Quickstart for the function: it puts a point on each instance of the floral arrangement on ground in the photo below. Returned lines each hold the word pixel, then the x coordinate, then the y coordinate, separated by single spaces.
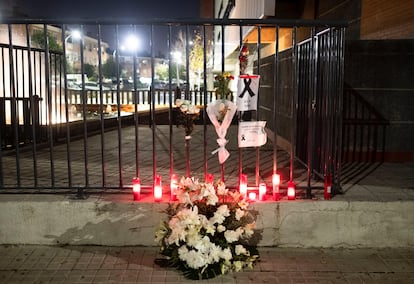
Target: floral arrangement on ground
pixel 209 232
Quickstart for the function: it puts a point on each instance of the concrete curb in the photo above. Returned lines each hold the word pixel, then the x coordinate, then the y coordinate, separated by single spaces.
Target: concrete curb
pixel 115 220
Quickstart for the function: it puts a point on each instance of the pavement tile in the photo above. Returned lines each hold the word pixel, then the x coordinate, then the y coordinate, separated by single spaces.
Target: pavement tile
pixel 277 265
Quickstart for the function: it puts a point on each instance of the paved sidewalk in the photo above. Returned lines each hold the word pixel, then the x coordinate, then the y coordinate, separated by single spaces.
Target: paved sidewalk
pixel 94 264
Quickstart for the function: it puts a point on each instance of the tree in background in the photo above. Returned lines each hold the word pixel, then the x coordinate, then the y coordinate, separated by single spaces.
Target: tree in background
pixel 38 38
pixel 197 58
pixel 90 71
pixel 109 68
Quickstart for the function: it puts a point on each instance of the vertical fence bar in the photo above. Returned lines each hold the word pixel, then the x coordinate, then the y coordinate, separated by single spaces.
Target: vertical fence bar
pixel 329 108
pixel 153 124
pixel 323 97
pixel 13 105
pixel 312 108
pixel 222 71
pixel 259 37
pixel 170 101
pixel 84 112
pixel 2 120
pixel 118 104
pixel 187 97
pixel 205 165
pixel 49 106
pixel 101 110
pixel 275 96
pixel 341 50
pixel 34 111
pixel 136 113
pixel 239 113
pixel 65 84
pixel 294 102
pixel 187 65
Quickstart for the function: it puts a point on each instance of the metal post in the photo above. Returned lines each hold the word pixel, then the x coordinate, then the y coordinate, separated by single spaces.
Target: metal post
pixel 275 91
pixel 118 104
pixel 294 102
pixel 257 174
pixel 49 106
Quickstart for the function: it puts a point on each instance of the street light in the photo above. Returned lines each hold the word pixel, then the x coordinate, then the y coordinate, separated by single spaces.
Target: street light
pixel 131 43
pixel 71 52
pixel 177 57
pixel 75 34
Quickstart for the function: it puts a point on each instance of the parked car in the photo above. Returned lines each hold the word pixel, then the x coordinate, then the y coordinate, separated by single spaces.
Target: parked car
pixel 93 86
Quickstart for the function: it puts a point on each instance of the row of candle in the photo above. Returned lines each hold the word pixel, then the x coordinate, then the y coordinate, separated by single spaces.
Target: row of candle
pixel 291 190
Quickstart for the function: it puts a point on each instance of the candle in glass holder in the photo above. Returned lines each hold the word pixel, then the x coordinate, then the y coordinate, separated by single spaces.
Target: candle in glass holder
pixel 262 191
pixel 243 185
pixel 173 187
pixel 291 191
pixel 136 188
pixel 157 189
pixel 276 186
pixel 209 178
pixel 252 196
pixel 327 187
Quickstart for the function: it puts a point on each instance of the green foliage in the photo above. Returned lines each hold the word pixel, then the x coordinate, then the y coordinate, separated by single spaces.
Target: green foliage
pixel 109 68
pixel 161 71
pixel 38 38
pixel 197 55
pixel 90 71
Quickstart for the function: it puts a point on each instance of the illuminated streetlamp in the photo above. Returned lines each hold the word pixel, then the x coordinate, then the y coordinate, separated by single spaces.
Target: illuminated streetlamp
pixel 75 34
pixel 177 57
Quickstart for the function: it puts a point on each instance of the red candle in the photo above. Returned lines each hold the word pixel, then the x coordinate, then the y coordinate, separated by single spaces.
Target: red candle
pixel 136 188
pixel 262 191
pixel 173 187
pixel 276 186
pixel 209 178
pixel 243 185
pixel 157 189
pixel 327 187
pixel 252 196
pixel 291 191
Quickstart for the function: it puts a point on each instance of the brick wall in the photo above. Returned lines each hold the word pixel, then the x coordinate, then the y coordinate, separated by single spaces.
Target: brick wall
pixel 384 19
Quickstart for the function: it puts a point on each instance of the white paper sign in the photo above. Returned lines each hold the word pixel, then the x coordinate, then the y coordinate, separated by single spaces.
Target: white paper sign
pixel 247 90
pixel 252 134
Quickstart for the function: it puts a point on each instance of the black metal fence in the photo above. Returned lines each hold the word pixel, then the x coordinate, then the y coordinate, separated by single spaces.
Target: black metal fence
pixel 56 138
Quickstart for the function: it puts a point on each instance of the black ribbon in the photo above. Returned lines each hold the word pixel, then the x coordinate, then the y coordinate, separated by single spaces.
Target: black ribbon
pixel 247 83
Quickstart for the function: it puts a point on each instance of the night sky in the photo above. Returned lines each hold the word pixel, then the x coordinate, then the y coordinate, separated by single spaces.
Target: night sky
pixel 106 9
pixel 145 9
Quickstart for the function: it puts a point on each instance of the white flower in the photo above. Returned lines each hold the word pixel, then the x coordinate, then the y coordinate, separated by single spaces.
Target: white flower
pixel 238 265
pixel 239 249
pixel 239 214
pixel 195 259
pixel 249 229
pixel 212 199
pixel 161 233
pixel 178 102
pixel 221 228
pixel 215 253
pixel 226 254
pixel 221 214
pixel 233 236
pixel 221 189
pixel 243 204
pixel 208 225
pixel 178 232
pixel 225 267
pixel 207 191
pixel 223 210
